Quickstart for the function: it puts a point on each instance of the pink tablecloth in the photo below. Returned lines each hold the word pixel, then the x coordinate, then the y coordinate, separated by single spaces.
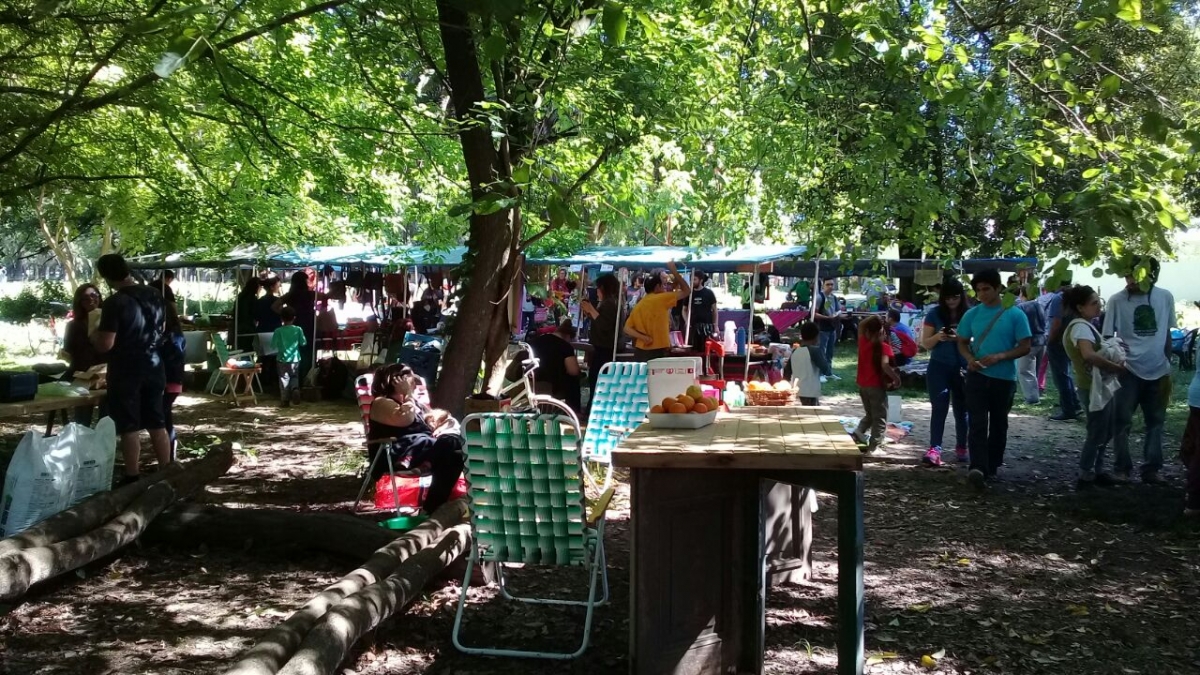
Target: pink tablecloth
pixel 783 319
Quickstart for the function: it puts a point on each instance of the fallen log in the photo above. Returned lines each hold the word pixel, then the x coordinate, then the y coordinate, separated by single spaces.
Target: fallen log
pixel 20 570
pixel 339 534
pixel 85 516
pixel 329 642
pixel 102 507
pixel 269 654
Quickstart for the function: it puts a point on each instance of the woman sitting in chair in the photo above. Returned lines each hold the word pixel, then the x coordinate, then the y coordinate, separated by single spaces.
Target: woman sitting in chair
pixel 420 436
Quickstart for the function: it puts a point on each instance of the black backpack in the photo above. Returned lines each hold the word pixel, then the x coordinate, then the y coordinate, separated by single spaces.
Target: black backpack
pixel 332 376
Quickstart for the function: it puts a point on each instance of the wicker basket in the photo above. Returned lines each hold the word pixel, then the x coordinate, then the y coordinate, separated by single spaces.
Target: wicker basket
pixel 770 397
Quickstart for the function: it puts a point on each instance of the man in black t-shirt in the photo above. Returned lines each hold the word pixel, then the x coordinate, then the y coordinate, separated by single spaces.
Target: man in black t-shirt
pixel 132 330
pixel 558 366
pixel 704 312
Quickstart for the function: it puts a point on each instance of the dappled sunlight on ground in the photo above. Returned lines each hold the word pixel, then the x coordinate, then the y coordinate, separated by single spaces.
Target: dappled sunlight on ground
pixel 1032 577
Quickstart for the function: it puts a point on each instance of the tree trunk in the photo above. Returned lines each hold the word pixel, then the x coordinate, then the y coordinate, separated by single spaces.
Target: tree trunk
pixel 329 643
pixel 489 243
pixel 21 570
pixel 282 641
pixel 186 525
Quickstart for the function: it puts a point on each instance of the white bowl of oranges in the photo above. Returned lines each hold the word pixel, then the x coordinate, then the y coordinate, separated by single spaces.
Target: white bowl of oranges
pixel 689 410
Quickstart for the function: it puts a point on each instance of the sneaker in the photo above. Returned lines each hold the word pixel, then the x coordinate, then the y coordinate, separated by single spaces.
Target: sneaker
pixel 1032 401
pixel 858 438
pixel 961 454
pixel 933 457
pixel 1191 513
pixel 975 480
pixel 835 377
pixel 1085 484
pixel 1152 478
pixel 1120 477
pixel 824 379
pixel 1106 480
pixel 1063 418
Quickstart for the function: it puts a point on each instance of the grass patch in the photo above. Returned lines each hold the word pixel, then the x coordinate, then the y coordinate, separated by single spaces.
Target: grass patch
pixel 344 462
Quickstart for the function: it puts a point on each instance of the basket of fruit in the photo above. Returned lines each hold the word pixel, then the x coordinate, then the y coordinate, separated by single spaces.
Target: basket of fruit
pixel 689 410
pixel 761 393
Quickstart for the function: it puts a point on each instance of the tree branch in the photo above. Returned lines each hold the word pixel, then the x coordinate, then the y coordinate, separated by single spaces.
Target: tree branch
pixel 608 151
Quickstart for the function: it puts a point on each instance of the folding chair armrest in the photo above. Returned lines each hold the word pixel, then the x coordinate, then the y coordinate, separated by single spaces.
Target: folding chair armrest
pixel 598 508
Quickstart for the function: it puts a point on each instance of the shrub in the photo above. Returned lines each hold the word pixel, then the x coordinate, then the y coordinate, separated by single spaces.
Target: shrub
pixel 47 299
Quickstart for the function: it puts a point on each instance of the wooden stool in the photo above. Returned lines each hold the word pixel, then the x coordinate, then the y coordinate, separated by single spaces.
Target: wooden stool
pixel 243 378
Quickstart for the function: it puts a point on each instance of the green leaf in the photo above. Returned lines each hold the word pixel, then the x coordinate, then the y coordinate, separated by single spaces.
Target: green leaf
pixel 520 173
pixel 1155 126
pixel 1166 219
pixel 557 211
pixel 1042 200
pixel 960 53
pixel 614 23
pixel 1033 228
pixel 495 47
pixel 1097 273
pixel 1129 10
pixel 648 25
pixel 842 46
pixel 1088 174
pixel 1110 85
pixel 934 53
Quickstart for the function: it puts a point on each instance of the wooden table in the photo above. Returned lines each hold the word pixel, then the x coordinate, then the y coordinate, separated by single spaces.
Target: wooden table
pixel 701 500
pixel 241 384
pixel 50 405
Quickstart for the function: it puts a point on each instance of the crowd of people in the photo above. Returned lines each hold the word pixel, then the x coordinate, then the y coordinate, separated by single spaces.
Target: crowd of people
pixel 1107 361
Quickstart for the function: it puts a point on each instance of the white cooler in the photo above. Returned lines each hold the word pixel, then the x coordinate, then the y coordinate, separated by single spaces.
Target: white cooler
pixel 672 376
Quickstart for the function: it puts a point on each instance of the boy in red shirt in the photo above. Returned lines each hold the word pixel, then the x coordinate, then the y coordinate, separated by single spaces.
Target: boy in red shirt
pixel 875 377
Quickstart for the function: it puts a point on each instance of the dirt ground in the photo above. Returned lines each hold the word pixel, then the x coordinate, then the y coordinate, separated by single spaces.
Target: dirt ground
pixel 1032 577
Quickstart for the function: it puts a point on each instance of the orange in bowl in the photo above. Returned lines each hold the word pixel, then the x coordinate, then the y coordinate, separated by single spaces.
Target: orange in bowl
pixel 687 401
pixel 657 410
pixel 677 408
pixel 667 403
pixel 700 409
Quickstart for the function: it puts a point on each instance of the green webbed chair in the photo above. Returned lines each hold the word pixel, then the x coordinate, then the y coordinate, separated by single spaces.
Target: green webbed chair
pixel 527 506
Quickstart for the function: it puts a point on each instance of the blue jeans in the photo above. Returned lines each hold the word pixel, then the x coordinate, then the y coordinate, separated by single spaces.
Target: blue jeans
pixel 989 400
pixel 1147 394
pixel 1060 369
pixel 945 385
pixel 1099 433
pixel 828 340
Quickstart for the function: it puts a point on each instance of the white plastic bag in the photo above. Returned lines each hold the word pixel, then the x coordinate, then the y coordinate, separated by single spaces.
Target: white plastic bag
pixel 94 452
pixel 39 482
pixel 895 414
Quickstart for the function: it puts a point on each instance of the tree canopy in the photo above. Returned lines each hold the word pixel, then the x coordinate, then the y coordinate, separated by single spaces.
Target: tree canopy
pixel 949 126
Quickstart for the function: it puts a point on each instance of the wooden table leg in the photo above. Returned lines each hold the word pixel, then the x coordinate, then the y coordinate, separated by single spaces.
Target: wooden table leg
pixel 695 536
pixel 850 574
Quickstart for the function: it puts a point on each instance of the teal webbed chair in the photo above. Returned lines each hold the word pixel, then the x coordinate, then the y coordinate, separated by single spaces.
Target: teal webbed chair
pixel 619 404
pixel 527 506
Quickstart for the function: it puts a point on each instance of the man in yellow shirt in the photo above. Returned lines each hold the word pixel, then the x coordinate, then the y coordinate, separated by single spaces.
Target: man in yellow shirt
pixel 649 323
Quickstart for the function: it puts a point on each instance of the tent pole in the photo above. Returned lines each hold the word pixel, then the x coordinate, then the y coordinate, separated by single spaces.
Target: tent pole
pixel 617 329
pixel 687 319
pixel 750 325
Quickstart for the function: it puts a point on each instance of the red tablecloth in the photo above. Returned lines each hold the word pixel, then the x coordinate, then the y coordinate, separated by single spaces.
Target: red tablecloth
pixel 783 319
